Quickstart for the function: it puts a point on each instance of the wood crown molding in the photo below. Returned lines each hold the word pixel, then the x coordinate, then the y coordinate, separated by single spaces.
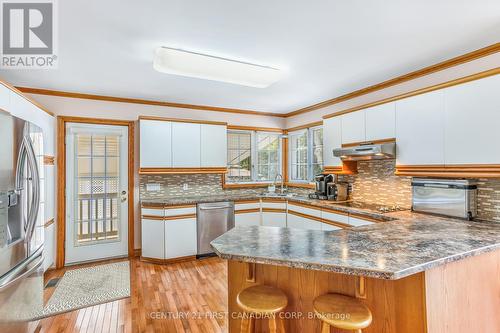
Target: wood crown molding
pixel 168 171
pixel 48 160
pixel 252 128
pixel 480 53
pixel 177 120
pixel 301 127
pixel 67 94
pixel 465 79
pixel 20 93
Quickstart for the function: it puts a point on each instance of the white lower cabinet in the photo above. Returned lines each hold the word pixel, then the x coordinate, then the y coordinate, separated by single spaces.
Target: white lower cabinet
pixel 328 227
pixel 153 239
pixel 300 222
pixel 180 238
pixel 247 219
pixel 273 219
pixel 357 222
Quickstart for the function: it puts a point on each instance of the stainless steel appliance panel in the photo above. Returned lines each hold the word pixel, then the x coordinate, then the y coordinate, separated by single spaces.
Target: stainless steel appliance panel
pixel 456 198
pixel 213 220
pixel 21 217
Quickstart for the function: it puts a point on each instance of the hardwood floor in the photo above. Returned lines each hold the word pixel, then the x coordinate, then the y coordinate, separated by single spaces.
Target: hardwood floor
pixel 180 297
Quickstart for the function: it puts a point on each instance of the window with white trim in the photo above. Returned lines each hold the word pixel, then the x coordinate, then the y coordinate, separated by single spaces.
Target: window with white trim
pixel 253 156
pixel 306 154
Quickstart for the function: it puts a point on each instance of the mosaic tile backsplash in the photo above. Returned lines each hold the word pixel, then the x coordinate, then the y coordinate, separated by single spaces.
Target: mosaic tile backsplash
pixel 198 184
pixel 374 183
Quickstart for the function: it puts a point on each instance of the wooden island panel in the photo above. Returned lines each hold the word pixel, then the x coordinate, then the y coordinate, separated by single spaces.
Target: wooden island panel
pixel 459 297
pixel 387 299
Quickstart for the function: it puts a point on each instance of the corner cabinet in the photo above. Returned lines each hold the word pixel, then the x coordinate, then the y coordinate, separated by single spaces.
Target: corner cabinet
pixel 182 146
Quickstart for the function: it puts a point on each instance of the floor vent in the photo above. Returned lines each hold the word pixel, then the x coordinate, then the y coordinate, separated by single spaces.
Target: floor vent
pixel 52 283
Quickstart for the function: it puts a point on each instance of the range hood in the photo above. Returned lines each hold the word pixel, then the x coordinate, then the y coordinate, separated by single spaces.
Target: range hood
pixel 366 152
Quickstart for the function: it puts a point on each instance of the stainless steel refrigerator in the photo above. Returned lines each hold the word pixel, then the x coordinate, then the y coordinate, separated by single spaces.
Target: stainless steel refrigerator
pixel 21 221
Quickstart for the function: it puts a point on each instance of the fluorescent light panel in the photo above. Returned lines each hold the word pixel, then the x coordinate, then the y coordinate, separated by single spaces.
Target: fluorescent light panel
pixel 202 66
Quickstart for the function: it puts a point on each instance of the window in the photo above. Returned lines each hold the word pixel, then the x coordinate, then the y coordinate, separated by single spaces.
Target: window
pixel 306 154
pixel 253 156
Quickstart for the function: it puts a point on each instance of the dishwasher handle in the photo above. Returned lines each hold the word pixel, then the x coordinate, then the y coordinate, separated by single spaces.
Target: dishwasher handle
pixel 214 207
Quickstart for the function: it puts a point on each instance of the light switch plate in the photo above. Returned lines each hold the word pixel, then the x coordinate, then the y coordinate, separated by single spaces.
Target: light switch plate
pixel 153 187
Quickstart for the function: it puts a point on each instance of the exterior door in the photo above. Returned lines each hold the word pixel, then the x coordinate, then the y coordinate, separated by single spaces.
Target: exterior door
pixel 96 192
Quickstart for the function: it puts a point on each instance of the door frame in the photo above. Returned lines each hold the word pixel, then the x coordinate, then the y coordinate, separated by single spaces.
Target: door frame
pixel 61 180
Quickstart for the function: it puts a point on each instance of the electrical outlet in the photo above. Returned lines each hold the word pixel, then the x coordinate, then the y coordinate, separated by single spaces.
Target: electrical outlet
pixel 152 187
pixel 185 186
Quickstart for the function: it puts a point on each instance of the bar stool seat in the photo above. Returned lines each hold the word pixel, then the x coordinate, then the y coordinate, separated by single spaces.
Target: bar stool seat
pixel 261 300
pixel 341 311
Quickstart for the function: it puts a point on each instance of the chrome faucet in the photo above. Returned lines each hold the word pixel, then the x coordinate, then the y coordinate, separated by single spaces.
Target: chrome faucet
pixel 282 182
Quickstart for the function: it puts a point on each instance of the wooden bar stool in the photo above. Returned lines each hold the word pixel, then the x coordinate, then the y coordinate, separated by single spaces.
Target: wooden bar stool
pixel 261 301
pixel 340 311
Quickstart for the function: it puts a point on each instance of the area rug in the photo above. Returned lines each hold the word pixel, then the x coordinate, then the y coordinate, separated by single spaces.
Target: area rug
pixel 83 287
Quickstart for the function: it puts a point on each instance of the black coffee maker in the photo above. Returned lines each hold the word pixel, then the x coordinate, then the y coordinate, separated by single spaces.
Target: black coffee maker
pixel 322 182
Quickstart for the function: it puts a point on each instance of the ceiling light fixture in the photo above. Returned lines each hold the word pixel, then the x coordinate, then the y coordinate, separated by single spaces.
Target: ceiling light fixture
pixel 202 66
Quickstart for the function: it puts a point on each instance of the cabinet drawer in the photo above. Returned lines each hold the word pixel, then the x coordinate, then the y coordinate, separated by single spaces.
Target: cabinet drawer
pixel 274 204
pixel 335 217
pixel 247 205
pixel 179 210
pixel 304 209
pixel 152 211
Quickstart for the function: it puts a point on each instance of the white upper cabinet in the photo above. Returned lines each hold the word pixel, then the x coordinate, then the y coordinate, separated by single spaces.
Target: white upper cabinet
pixel 472 118
pixel 4 98
pixel 186 145
pixel 380 122
pixel 155 144
pixel 213 145
pixel 332 139
pixel 353 127
pixel 420 129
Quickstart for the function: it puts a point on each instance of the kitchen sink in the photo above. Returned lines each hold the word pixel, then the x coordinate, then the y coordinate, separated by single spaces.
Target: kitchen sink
pixel 277 195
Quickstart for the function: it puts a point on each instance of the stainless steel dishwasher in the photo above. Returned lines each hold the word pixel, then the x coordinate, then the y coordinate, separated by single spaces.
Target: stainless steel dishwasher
pixel 213 220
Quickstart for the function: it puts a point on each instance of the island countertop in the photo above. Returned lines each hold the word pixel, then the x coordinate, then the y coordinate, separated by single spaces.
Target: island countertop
pixel 392 250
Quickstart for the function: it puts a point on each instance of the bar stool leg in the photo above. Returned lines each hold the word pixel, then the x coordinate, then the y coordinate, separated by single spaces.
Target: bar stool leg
pixel 281 323
pixel 272 324
pixel 246 324
pixel 325 328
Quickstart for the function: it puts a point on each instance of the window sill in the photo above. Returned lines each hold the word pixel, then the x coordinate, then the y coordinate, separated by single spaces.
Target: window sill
pixel 300 184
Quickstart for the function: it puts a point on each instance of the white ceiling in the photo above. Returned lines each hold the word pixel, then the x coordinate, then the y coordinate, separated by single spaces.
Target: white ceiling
pixel 327 48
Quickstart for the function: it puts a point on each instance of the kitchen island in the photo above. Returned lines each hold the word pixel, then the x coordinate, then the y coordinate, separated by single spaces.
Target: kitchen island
pixel 416 274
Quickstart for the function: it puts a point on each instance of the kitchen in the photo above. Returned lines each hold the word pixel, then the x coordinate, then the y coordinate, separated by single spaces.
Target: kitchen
pixel 171 177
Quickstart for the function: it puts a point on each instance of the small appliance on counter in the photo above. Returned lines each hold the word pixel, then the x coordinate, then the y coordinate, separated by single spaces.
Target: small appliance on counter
pixel 449 197
pixel 337 191
pixel 322 182
pixel 328 189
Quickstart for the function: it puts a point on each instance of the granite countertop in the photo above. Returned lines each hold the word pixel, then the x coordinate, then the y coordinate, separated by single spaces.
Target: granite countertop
pixel 390 250
pixel 173 201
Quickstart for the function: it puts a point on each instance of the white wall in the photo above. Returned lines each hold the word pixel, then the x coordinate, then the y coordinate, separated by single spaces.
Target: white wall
pixel 125 111
pixel 472 67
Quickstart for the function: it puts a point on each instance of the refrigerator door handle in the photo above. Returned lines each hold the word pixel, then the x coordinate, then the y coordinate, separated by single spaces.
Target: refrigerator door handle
pixel 35 199
pixel 22 270
pixel 21 160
